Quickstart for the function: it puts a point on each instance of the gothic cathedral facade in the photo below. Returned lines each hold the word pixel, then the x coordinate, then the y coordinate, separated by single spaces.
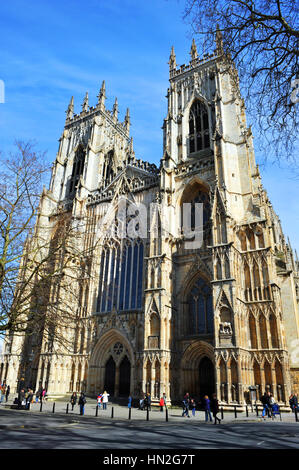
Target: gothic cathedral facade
pixel 161 315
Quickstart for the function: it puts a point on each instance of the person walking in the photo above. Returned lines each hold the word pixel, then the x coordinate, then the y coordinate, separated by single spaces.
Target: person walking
pixel 271 403
pixel 265 403
pixel 29 398
pixel 164 398
pixel 21 398
pixel 214 406
pixel 149 401
pixel 162 403
pixel 81 403
pixel 105 400
pixel 7 393
pixel 294 402
pixel 99 400
pixel 73 400
pixel 193 406
pixel 186 404
pixel 207 408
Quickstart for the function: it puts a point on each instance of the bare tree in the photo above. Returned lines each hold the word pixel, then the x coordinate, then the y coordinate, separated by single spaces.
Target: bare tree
pixel 261 37
pixel 43 266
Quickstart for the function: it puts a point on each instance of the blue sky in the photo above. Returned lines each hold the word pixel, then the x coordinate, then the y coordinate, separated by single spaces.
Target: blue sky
pixel 54 49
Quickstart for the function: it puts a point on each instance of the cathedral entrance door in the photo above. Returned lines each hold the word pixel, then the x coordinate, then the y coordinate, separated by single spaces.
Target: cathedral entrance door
pixel 124 377
pixel 206 378
pixel 110 376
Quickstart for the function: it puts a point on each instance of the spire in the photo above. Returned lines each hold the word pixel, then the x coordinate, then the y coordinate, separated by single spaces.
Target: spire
pixel 85 106
pixel 219 40
pixel 115 109
pixel 193 51
pixel 172 59
pixel 102 94
pixel 127 120
pixel 70 109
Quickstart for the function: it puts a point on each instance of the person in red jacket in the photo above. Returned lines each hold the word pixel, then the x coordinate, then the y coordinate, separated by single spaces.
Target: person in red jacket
pixel 162 403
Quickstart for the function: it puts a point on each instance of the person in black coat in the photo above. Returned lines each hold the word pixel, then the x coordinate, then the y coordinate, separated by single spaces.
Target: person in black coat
pixel 73 400
pixel 81 403
pixel 29 399
pixel 7 393
pixel 214 405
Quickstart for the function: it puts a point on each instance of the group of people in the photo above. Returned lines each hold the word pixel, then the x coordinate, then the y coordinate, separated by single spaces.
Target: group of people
pixel 103 399
pixel 269 405
pixel 4 392
pixel 145 402
pixel 208 405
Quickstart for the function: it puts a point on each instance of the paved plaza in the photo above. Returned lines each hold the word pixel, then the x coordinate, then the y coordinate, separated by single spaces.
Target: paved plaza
pixel 44 429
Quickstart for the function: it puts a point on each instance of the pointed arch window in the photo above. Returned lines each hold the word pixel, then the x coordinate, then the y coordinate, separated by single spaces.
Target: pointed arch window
pixel 199 135
pixel 77 170
pixel 121 276
pixel 108 172
pixel 201 319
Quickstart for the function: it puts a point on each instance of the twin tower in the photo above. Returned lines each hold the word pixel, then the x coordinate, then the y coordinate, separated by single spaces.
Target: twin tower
pixel 157 314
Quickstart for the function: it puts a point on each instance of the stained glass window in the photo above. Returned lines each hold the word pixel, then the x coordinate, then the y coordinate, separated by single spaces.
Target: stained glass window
pixel 121 276
pixel 200 303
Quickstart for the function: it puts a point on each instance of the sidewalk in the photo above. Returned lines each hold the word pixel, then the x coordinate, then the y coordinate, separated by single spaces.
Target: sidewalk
pixel 155 415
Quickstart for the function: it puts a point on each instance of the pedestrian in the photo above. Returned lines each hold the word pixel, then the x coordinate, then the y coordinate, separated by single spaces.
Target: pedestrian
pixel 164 398
pixel 162 403
pixel 149 400
pixel 105 400
pixel 265 403
pixel 145 402
pixel 207 408
pixel 99 400
pixel 271 403
pixel 141 403
pixel 193 406
pixel 7 392
pixel 186 404
pixel 2 392
pixel 73 400
pixel 81 403
pixel 295 402
pixel 29 398
pixel 21 398
pixel 214 405
pixel 43 394
pixel 130 402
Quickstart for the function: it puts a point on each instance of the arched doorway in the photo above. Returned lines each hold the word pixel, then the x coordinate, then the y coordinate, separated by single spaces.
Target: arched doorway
pixel 206 377
pixel 110 376
pixel 124 377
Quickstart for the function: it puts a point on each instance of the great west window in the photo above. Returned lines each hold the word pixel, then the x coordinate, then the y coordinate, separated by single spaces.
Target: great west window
pixel 121 272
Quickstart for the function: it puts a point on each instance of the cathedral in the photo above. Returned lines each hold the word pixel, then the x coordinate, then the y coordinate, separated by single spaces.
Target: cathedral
pixel 211 308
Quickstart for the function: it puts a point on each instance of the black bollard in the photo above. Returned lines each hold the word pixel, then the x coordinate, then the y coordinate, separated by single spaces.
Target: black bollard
pixel 166 413
pixel 97 410
pixel 257 410
pixel 53 411
pixel 112 412
pixel 236 415
pixel 67 408
pixel 222 413
pixel 129 413
pixel 296 415
pixel 41 406
pixel 280 413
pixel 251 408
pixel 246 411
pixel 147 414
